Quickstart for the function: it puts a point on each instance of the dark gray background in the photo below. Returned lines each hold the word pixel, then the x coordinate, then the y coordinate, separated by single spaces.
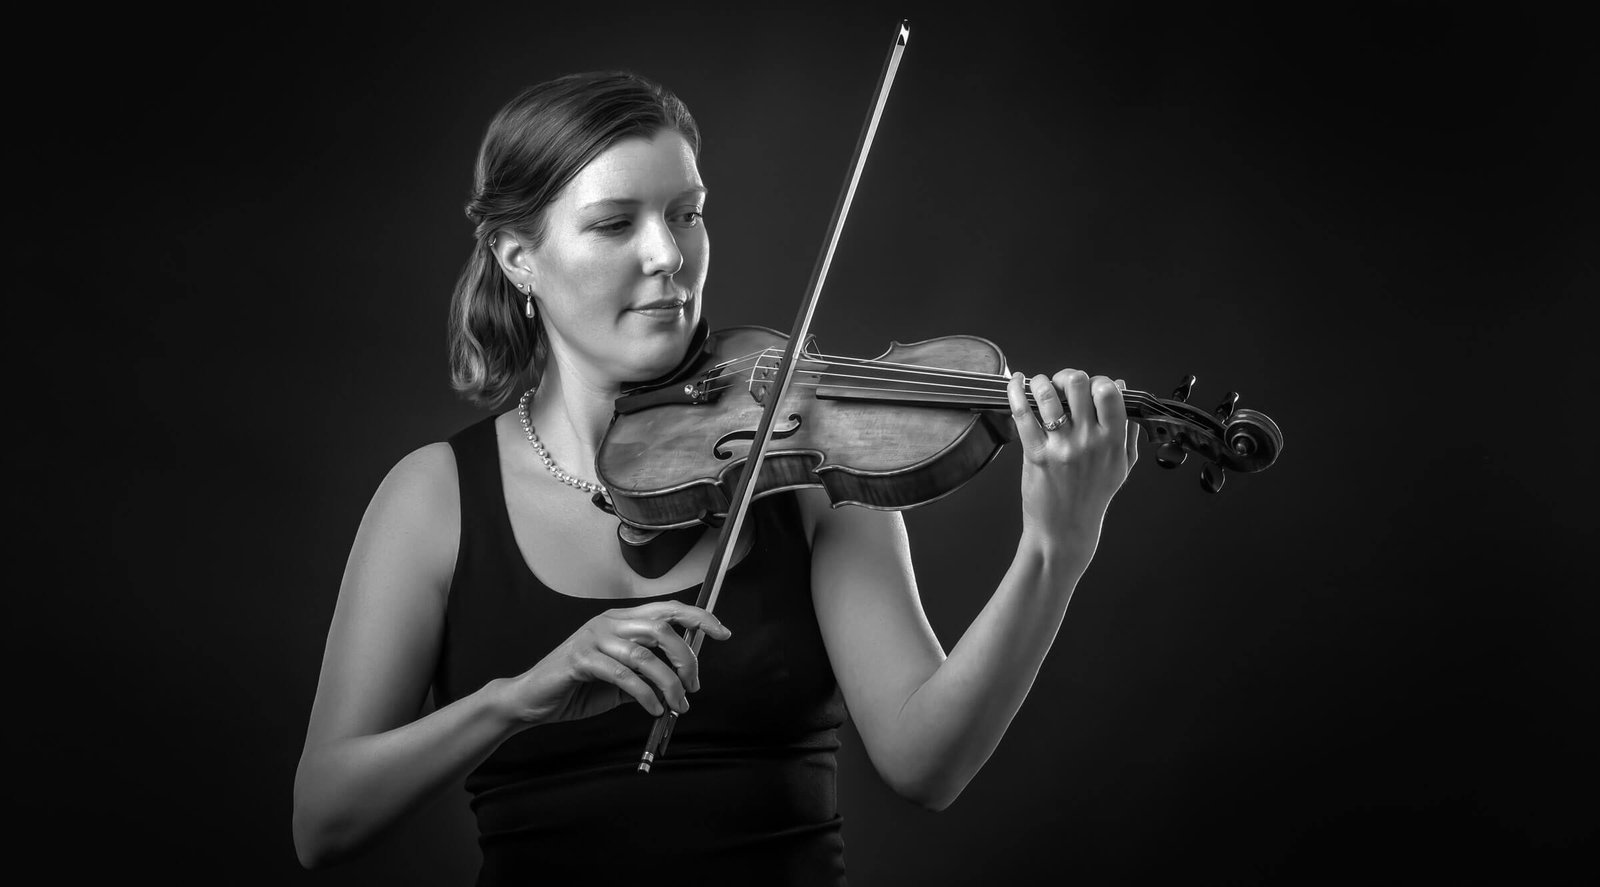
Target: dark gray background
pixel 1377 223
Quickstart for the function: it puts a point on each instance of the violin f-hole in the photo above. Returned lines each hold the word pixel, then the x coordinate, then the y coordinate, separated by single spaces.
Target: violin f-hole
pixel 719 448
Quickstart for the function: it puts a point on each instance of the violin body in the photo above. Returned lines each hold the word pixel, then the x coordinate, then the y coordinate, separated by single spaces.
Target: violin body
pixel 677 464
pixel 892 432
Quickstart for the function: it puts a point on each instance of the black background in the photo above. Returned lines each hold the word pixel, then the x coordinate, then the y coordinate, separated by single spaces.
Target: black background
pixel 1373 661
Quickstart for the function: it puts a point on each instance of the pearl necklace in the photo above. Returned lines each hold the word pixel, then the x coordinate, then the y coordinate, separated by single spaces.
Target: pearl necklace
pixel 589 487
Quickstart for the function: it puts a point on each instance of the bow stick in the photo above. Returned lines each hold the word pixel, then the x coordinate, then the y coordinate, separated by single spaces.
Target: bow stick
pixel 661 732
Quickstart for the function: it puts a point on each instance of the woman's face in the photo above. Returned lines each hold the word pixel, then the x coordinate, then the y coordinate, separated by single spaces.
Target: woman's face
pixel 619 274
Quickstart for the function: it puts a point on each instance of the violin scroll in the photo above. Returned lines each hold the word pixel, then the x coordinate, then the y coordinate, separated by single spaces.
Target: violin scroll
pixel 1253 440
pixel 1229 439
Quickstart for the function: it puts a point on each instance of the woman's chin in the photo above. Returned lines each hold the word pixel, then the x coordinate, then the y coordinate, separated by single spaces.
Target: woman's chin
pixel 658 355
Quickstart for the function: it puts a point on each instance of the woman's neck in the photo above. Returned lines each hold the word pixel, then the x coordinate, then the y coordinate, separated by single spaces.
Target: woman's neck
pixel 571 412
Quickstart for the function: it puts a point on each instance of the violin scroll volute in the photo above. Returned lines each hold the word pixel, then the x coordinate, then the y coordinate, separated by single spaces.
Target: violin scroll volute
pixel 1229 439
pixel 1253 441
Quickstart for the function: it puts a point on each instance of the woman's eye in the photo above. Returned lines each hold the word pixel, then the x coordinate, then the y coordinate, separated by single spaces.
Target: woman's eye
pixel 690 218
pixel 612 227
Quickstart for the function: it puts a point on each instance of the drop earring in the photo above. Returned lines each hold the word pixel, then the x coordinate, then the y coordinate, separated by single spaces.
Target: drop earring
pixel 528 308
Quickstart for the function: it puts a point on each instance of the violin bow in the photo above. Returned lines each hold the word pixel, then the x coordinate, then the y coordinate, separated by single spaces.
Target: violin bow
pixel 661 732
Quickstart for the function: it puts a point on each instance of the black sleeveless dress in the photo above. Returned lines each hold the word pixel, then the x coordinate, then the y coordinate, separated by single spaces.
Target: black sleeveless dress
pixel 746 791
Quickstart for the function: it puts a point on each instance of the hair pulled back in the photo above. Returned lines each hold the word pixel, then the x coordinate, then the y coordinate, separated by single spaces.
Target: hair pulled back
pixel 533 147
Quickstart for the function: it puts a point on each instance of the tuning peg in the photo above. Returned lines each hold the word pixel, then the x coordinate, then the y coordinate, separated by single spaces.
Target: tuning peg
pixel 1181 393
pixel 1170 454
pixel 1225 409
pixel 1212 477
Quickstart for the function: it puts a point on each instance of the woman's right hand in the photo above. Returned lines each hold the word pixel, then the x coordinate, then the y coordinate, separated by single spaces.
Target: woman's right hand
pixel 610 658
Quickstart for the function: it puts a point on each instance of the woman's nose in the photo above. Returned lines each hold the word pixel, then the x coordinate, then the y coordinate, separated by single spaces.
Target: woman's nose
pixel 660 249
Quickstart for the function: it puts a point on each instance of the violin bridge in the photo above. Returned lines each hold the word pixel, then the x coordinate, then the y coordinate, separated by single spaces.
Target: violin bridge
pixel 764 375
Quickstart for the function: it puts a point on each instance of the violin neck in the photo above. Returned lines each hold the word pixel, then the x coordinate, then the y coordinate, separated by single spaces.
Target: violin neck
pixel 1140 404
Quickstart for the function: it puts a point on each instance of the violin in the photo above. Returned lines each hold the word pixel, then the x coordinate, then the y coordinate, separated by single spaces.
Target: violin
pixel 896 431
pixel 750 412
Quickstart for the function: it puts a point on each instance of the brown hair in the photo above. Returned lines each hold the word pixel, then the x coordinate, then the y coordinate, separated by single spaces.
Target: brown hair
pixel 533 147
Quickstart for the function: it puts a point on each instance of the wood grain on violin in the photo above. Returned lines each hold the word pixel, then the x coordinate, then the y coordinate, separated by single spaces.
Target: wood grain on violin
pixel 900 430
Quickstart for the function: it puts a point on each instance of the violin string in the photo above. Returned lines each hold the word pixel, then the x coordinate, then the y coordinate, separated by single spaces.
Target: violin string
pixel 921 369
pixel 754 355
pixel 1139 397
pixel 995 399
pixel 907 381
pixel 925 371
pixel 758 364
pixel 727 382
pixel 730 382
pixel 907 367
pixel 917 386
pixel 750 360
pixel 916 369
pixel 911 367
pixel 1149 405
pixel 757 359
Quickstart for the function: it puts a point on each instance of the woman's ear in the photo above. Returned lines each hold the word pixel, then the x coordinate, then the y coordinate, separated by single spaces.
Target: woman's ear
pixel 515 260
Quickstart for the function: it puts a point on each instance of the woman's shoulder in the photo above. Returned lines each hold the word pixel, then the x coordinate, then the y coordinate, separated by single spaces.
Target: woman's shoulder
pixel 430 468
pixel 414 518
pixel 421 488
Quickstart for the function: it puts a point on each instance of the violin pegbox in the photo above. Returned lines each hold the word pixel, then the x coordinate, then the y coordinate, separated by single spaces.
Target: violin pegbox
pixel 1227 437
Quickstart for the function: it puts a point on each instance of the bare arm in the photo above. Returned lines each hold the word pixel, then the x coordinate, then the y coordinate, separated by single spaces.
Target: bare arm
pixel 368 760
pixel 929 722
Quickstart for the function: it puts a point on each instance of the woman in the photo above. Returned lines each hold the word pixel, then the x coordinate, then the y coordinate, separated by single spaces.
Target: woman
pixel 483 570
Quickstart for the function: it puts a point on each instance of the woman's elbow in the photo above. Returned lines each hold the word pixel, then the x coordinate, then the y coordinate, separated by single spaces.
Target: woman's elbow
pixel 933 802
pixel 318 847
pixel 321 837
pixel 930 794
pixel 311 844
pixel 306 849
pixel 308 858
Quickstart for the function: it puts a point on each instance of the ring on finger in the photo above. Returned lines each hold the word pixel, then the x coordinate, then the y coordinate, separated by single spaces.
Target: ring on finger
pixel 1054 423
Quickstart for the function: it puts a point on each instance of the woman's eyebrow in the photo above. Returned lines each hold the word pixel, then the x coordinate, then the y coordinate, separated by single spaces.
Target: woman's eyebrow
pixel 629 202
pixel 612 201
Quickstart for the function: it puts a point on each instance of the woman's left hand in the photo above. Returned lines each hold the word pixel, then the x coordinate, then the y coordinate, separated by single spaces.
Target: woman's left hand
pixel 1069 474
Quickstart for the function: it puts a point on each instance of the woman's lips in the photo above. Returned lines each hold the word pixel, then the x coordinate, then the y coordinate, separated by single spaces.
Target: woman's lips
pixel 662 309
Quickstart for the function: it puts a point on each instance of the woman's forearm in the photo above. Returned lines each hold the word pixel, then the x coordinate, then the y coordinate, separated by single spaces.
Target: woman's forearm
pixel 953 722
pixel 349 791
